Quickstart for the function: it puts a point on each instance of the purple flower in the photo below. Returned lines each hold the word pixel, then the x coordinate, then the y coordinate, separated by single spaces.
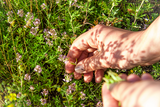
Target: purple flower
pixel 45 92
pixel 28 24
pixel 9 13
pixel 43 101
pixel 57 1
pixel 52 32
pixel 67 77
pixel 60 49
pixel 145 26
pixel 27 77
pixel 117 70
pixel 45 30
pixel 82 105
pixel 43 6
pixel 72 87
pixel 33 31
pixel 63 58
pixel 38 69
pixel 29 15
pixel 49 42
pixel 18 57
pixel 19 95
pixel 64 33
pixel 28 102
pixel 36 22
pixel 99 104
pixel 20 12
pixel 68 91
pixel 83 95
pixel 31 87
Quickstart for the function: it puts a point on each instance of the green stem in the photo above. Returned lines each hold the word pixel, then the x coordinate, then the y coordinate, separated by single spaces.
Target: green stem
pixel 135 18
pixel 71 21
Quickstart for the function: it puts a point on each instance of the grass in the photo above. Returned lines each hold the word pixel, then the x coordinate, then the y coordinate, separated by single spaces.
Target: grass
pixel 35 36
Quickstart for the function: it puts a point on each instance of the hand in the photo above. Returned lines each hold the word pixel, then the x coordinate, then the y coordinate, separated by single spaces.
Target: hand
pixel 134 92
pixel 104 47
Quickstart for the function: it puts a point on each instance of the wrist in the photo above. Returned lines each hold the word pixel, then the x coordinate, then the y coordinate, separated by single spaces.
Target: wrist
pixel 151 43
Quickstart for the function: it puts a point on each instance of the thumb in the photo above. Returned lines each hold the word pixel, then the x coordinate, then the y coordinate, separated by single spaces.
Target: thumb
pixel 108 100
pixel 89 64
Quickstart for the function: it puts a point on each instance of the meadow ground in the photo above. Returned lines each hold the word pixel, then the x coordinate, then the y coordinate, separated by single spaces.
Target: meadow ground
pixel 35 36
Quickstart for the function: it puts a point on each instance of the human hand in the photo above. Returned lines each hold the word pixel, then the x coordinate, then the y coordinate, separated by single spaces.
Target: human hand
pixel 103 47
pixel 134 92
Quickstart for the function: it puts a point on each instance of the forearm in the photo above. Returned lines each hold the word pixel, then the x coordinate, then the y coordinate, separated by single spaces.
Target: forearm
pixel 150 47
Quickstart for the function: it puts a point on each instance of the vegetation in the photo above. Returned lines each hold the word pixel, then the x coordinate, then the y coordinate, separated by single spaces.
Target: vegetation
pixel 35 36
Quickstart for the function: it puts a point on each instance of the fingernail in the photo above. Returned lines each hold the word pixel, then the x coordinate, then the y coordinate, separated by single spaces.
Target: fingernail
pixel 79 68
pixel 111 86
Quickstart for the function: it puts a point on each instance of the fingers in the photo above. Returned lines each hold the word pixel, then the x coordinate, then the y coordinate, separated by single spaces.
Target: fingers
pixel 108 100
pixel 83 56
pixel 75 52
pixel 99 75
pixel 88 77
pixel 89 64
pixel 77 75
pixel 82 43
pixel 133 78
pixel 146 76
pixel 123 76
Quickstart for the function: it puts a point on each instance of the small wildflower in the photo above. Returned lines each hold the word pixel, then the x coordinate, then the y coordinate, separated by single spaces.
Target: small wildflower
pixel 45 30
pixel 49 42
pixel 83 95
pixel 52 32
pixel 58 89
pixel 68 91
pixel 99 104
pixel 12 96
pixel 57 1
pixel 64 33
pixel 43 101
pixel 31 87
pixel 19 95
pixel 72 87
pixel 36 22
pixel 38 69
pixel 18 57
pixel 29 15
pixel 43 6
pixel 28 102
pixel 3 3
pixel 131 71
pixel 28 23
pixel 82 105
pixel 117 70
pixel 62 58
pixel 10 20
pixel 10 105
pixel 27 77
pixel 45 92
pixel 146 19
pixel 33 31
pixel 67 78
pixel 60 49
pixel 145 26
pixel 9 13
pixel 20 12
pixel 46 55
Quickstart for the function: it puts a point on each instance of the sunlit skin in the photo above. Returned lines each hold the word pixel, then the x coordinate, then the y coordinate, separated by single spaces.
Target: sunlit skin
pixel 134 92
pixel 105 47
